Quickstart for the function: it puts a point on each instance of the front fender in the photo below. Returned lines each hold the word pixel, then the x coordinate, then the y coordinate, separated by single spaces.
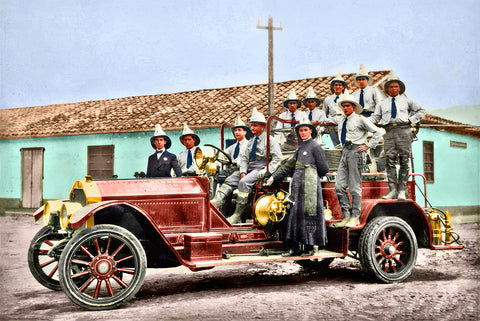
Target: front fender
pixel 81 217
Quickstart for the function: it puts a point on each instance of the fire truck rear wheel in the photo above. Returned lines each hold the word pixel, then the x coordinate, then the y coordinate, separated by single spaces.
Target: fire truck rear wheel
pixel 102 267
pixel 43 267
pixel 388 249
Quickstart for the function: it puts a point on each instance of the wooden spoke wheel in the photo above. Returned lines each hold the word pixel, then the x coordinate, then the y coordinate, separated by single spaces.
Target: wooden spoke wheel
pixel 102 267
pixel 43 256
pixel 388 249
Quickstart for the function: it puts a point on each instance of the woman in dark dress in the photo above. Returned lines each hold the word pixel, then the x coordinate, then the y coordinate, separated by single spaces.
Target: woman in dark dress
pixel 305 223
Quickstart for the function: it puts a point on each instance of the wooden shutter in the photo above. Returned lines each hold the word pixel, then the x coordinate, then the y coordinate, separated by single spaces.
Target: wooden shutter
pixel 428 166
pixel 100 161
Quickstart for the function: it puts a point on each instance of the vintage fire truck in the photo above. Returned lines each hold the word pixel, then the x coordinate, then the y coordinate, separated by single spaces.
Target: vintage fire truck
pixel 97 244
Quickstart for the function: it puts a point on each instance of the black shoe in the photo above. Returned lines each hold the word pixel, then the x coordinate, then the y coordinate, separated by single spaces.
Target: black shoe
pixel 292 252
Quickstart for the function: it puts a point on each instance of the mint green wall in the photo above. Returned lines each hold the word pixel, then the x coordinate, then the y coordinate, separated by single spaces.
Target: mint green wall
pixel 65 158
pixel 456 170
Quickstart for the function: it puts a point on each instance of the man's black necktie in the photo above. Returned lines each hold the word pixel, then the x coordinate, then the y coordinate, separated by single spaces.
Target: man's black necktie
pixel 254 148
pixel 343 135
pixel 189 159
pixel 237 150
pixel 361 98
pixel 394 108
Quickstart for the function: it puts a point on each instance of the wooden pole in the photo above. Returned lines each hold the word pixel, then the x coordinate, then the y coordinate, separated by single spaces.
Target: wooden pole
pixel 270 29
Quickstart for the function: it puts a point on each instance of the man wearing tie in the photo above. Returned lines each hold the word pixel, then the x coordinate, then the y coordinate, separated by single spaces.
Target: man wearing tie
pixel 252 163
pixel 224 193
pixel 353 130
pixel 337 87
pixel 292 103
pixel 396 113
pixel 366 96
pixel 162 162
pixel 316 116
pixel 190 140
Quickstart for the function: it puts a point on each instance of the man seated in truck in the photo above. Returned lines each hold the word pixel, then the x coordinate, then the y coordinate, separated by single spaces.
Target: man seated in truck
pixel 315 115
pixel 190 140
pixel 292 104
pixel 337 87
pixel 162 162
pixel 252 163
pixel 225 192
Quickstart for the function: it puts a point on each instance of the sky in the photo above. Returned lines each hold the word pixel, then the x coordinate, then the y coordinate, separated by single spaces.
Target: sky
pixel 62 51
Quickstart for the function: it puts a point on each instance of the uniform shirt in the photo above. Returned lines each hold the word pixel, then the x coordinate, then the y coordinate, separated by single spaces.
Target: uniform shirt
pixel 182 160
pixel 299 116
pixel 358 128
pixel 231 149
pixel 330 107
pixel 261 152
pixel 370 97
pixel 407 110
pixel 317 114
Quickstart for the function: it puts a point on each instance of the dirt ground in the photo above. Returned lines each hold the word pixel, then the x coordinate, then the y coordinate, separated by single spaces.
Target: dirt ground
pixel 445 285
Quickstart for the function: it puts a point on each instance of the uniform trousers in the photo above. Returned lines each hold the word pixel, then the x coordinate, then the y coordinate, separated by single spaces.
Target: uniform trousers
pixel 349 175
pixel 397 146
pixel 253 169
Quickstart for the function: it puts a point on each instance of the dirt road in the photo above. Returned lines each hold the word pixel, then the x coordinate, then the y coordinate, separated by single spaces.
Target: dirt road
pixel 445 285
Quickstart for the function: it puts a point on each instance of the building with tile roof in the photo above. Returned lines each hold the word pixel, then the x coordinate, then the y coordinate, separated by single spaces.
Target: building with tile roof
pixel 66 136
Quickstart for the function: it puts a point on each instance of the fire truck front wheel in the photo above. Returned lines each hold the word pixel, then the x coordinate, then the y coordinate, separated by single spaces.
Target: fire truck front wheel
pixel 388 249
pixel 43 255
pixel 102 267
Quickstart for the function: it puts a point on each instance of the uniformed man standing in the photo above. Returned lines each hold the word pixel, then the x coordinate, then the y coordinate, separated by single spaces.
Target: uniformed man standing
pixel 186 159
pixel 224 193
pixel 253 162
pixel 396 113
pixel 353 130
pixel 366 96
pixel 162 162
pixel 337 87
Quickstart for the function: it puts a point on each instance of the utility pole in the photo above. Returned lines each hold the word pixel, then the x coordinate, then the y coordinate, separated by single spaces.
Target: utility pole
pixel 270 61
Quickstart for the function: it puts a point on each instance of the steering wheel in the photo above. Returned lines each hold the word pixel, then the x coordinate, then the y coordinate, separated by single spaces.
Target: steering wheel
pixel 217 153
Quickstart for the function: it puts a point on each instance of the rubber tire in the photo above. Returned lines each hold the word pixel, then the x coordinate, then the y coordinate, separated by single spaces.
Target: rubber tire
pixel 315 265
pixel 33 264
pixel 87 301
pixel 369 238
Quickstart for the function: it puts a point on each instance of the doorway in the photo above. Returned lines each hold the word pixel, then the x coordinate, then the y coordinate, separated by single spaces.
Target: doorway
pixel 32 177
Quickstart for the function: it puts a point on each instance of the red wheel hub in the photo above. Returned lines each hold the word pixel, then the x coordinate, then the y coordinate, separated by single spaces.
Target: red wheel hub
pixel 103 267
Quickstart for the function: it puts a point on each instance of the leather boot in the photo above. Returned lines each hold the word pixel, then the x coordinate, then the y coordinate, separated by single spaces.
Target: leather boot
pixel 242 202
pixel 401 195
pixel 353 221
pixel 223 193
pixel 392 191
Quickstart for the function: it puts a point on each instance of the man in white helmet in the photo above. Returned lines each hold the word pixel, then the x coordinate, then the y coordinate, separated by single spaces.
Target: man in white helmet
pixel 161 163
pixel 316 116
pixel 396 114
pixel 353 130
pixel 186 159
pixel 224 193
pixel 337 87
pixel 253 162
pixel 367 96
pixel 293 112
